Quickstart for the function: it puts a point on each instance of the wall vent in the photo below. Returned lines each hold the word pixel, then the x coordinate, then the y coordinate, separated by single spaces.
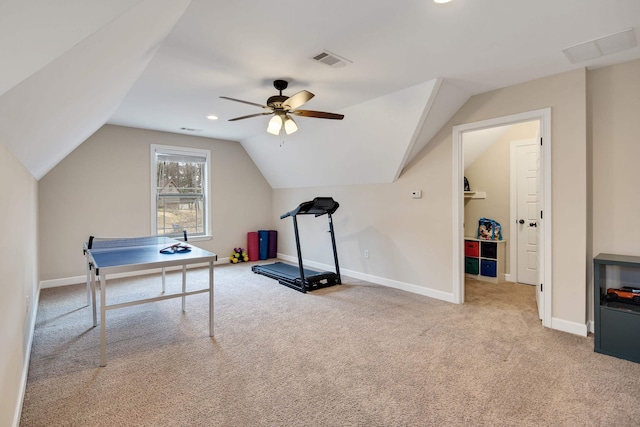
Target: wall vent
pixel 331 59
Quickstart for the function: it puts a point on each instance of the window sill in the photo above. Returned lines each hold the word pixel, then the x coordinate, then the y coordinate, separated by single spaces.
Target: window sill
pixel 198 238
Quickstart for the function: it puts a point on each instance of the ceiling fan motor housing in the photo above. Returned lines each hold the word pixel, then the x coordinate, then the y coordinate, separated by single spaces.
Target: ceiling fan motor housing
pixel 276 101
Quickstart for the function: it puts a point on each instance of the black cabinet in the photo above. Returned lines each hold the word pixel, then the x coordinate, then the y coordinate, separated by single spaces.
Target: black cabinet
pixel 616 315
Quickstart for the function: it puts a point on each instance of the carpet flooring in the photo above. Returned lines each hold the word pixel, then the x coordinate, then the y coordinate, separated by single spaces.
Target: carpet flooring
pixel 358 354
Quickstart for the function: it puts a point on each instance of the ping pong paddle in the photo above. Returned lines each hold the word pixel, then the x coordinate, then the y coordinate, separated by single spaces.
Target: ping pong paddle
pixel 178 247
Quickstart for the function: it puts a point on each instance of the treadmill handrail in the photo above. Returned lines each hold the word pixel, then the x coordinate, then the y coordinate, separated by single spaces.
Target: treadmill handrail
pixel 318 207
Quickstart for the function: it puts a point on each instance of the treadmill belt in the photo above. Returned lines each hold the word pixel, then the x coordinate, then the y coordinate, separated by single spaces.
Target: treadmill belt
pixel 281 269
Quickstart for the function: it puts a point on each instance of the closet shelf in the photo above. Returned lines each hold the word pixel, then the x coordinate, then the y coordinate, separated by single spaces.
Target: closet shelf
pixel 475 194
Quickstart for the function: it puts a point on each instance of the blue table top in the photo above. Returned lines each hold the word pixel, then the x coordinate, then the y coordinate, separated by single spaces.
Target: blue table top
pixel 148 256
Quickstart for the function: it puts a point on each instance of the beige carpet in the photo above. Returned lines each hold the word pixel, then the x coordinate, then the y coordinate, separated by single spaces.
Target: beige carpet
pixel 352 355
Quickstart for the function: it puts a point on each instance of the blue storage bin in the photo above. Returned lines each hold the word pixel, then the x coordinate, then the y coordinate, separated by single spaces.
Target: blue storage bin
pixel 488 268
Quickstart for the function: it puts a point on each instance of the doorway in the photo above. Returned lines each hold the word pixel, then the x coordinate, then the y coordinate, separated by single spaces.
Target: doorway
pixel 542 212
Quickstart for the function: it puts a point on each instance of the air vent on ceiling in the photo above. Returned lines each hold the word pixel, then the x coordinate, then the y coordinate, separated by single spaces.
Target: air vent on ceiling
pixel 191 130
pixel 603 46
pixel 331 59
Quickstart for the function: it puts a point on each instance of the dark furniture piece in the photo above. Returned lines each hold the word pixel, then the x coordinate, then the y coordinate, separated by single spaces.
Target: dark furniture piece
pixel 616 322
pixel 298 277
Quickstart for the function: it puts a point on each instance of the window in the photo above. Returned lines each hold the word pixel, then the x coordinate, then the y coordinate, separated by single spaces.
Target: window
pixel 179 193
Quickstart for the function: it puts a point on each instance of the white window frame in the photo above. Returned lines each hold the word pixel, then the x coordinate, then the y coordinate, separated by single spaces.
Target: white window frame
pixel 187 151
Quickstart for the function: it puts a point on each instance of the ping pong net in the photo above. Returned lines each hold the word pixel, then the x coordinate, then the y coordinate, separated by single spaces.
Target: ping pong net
pixel 131 242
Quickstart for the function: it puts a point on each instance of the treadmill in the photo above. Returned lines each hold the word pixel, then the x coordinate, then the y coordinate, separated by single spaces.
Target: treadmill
pixel 297 277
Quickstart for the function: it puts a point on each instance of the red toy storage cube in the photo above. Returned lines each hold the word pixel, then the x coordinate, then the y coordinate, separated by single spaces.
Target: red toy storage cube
pixel 471 248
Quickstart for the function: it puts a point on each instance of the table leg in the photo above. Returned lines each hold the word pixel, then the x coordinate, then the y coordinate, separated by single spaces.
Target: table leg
pixel 93 298
pixel 184 285
pixel 211 299
pixel 163 278
pixel 88 280
pixel 103 318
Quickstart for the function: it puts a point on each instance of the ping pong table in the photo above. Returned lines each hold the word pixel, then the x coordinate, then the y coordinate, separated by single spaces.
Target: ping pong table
pixel 106 256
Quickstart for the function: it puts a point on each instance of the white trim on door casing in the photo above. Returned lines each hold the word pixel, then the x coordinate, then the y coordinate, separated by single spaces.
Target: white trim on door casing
pixel 544 245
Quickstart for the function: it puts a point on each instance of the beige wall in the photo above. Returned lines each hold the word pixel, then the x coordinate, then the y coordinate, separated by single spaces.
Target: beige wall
pixel 490 173
pixel 102 189
pixel 18 287
pixel 614 135
pixel 410 241
pixel 614 94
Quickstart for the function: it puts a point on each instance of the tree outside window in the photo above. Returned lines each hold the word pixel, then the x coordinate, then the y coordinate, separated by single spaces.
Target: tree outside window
pixel 180 190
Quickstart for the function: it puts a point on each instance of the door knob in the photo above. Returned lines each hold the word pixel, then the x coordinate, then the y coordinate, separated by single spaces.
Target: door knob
pixel 533 224
pixel 521 221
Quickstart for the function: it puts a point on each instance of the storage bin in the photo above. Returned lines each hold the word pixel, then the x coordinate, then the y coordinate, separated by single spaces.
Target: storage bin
pixel 488 268
pixel 471 265
pixel 489 250
pixel 471 248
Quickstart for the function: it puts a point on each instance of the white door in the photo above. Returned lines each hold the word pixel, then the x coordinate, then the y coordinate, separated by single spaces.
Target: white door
pixel 527 165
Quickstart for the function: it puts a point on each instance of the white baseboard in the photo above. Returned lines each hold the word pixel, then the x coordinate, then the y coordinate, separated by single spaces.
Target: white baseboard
pixel 570 327
pixel 27 359
pixel 409 287
pixel 65 281
pixel 591 326
pixel 507 277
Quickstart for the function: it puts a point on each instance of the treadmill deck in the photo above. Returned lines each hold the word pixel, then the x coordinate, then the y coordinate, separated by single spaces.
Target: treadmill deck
pixel 289 275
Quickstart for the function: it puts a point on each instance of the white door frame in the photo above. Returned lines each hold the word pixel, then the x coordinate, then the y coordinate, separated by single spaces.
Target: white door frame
pixel 544 245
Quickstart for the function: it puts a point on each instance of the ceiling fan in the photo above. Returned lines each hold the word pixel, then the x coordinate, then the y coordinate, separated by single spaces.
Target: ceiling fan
pixel 282 106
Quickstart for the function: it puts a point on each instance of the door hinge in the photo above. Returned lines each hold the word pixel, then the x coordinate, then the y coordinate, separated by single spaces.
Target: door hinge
pixel 540 287
pixel 540 141
pixel 540 214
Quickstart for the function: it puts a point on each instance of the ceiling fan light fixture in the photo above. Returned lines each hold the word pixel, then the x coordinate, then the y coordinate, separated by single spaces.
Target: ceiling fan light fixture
pixel 275 124
pixel 281 106
pixel 290 125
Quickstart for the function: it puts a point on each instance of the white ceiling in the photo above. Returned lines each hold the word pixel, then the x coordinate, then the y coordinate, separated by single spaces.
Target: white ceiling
pixel 161 64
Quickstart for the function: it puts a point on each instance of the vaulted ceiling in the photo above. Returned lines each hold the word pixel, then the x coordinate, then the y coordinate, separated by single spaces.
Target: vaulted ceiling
pixel 70 66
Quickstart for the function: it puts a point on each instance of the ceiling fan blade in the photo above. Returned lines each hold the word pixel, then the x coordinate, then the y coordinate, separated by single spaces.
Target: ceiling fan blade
pixel 318 114
pixel 249 116
pixel 245 102
pixel 297 100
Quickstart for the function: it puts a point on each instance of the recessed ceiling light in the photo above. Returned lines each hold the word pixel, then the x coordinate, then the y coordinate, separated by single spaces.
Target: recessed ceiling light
pixel 212 117
pixel 441 1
